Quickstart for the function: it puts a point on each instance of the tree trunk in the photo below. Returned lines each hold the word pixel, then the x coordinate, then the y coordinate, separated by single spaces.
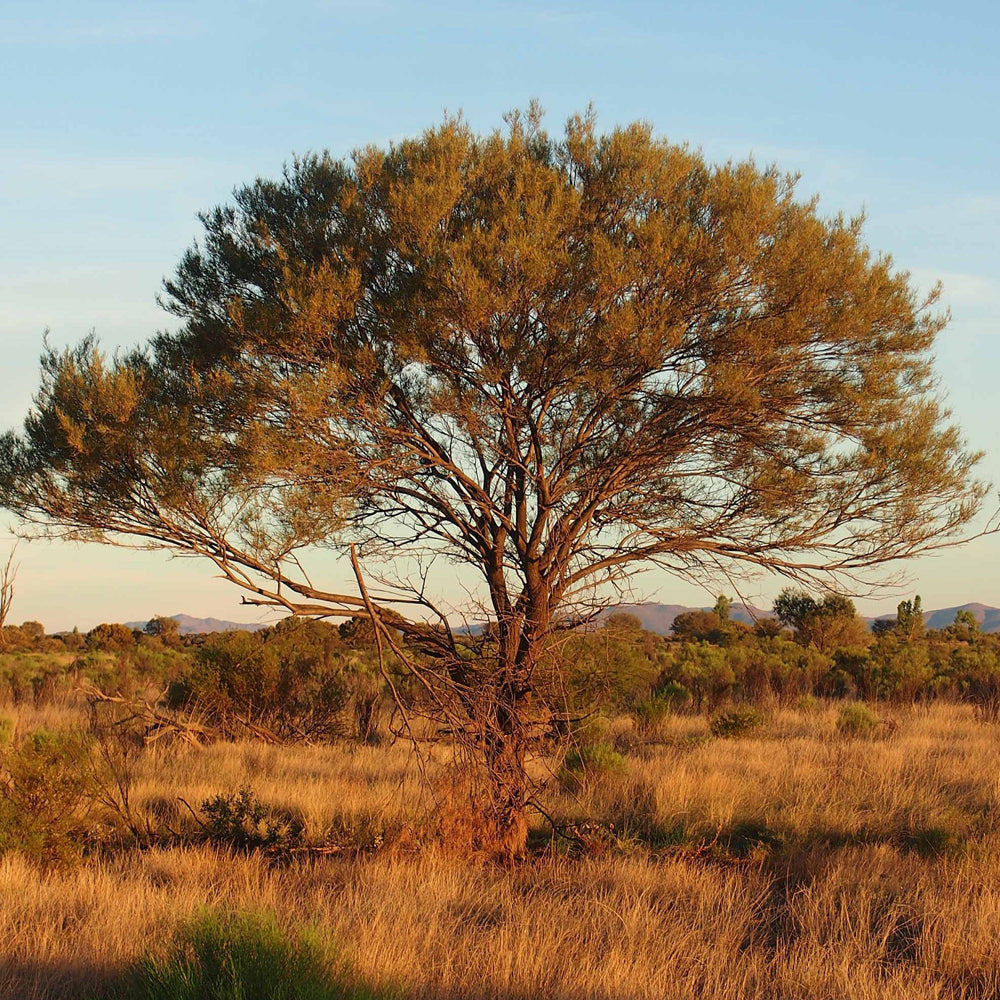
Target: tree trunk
pixel 507 795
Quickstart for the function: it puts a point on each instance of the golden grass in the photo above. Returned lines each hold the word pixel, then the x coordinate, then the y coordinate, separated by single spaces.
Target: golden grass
pixel 796 865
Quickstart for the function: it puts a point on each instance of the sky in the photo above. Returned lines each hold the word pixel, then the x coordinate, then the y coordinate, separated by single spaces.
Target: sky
pixel 120 121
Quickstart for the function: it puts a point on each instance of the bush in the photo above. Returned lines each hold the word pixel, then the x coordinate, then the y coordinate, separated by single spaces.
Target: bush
pixel 47 794
pixel 807 704
pixel 651 710
pixel 242 822
pixel 736 723
pixel 670 696
pixel 590 764
pixel 293 680
pixel 245 956
pixel 856 719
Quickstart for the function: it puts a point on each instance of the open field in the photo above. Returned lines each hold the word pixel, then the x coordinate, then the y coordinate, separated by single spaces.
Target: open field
pixel 796 864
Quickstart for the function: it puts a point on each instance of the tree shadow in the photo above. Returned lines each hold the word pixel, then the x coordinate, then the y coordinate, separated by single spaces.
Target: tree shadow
pixel 41 980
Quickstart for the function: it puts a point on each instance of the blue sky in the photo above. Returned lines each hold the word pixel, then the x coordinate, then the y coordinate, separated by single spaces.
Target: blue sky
pixel 120 121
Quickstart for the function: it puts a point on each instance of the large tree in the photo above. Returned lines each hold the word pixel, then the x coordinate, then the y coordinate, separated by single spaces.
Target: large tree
pixel 554 361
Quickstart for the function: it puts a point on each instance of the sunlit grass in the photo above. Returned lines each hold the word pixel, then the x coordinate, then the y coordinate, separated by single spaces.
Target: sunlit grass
pixel 795 863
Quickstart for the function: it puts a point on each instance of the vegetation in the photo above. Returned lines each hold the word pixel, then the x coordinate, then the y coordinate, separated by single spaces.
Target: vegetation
pixel 555 362
pixel 552 360
pixel 242 956
pixel 796 863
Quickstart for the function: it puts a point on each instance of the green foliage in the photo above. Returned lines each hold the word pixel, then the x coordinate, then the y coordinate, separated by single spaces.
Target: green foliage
pixel 243 956
pixel 113 638
pixel 591 764
pixel 296 679
pixel 856 720
pixel 704 670
pixel 736 723
pixel 242 822
pixel 827 624
pixel 910 619
pixel 167 630
pixel 965 628
pixel 608 669
pixel 47 793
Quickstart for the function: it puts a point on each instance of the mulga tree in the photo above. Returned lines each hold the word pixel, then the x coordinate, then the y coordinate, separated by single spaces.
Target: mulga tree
pixel 554 360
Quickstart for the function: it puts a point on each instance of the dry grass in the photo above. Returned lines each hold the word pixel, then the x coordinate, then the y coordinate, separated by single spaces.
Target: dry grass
pixel 795 865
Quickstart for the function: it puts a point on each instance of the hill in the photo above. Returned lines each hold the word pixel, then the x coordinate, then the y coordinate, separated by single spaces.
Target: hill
pixel 654 617
pixel 659 617
pixel 191 626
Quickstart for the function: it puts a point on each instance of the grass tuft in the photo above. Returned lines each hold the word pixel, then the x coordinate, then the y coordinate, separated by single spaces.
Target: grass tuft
pixel 243 956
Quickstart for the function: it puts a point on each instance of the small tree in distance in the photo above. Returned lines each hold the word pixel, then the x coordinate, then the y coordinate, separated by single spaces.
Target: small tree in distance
pixel 167 630
pixel 827 624
pixel 554 361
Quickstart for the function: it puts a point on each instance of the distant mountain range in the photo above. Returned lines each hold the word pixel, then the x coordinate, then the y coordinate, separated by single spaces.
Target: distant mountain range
pixel 654 617
pixel 191 626
pixel 659 617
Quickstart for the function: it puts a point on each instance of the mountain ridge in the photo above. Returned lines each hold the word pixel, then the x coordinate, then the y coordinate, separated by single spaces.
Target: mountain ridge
pixel 189 625
pixel 654 616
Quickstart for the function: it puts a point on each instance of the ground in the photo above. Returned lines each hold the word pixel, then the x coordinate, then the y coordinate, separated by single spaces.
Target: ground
pixel 792 863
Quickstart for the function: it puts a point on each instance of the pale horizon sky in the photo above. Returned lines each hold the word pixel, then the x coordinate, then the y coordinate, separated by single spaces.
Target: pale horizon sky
pixel 121 121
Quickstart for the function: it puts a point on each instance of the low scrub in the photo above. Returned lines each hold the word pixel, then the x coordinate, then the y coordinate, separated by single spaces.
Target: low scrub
pixel 736 723
pixel 590 764
pixel 242 822
pixel 48 793
pixel 856 720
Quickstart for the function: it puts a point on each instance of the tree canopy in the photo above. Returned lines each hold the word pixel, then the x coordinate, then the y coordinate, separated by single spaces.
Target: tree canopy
pixel 554 360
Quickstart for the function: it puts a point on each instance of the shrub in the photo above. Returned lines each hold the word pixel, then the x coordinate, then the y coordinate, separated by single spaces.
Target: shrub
pixel 292 679
pixel 589 764
pixel 807 704
pixel 669 696
pixel 651 710
pixel 47 794
pixel 856 719
pixel 242 822
pixel 737 722
pixel 243 956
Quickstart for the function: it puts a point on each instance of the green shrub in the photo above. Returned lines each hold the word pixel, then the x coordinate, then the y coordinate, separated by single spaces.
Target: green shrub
pixel 856 719
pixel 48 792
pixel 651 710
pixel 243 956
pixel 242 822
pixel 295 679
pixel 589 764
pixel 736 722
pixel 667 698
pixel 807 704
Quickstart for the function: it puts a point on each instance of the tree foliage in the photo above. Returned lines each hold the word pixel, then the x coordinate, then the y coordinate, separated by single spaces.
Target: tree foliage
pixel 827 624
pixel 552 360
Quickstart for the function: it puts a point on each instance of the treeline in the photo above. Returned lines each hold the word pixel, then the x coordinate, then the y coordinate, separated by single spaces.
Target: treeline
pixel 315 681
pixel 300 679
pixel 811 648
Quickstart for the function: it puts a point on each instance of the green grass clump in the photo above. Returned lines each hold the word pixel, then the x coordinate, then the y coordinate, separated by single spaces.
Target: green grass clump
pixel 856 719
pixel 736 722
pixel 244 956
